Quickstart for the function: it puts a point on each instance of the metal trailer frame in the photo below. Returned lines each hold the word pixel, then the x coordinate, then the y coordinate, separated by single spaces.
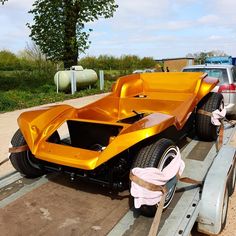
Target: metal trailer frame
pixel 191 203
pixel 202 204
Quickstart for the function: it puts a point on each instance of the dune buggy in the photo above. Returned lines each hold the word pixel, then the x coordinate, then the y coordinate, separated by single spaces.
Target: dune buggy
pixel 137 125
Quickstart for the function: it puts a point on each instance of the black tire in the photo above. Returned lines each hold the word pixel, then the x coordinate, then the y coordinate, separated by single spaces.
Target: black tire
pixel 204 128
pixel 25 162
pixel 232 179
pixel 159 155
pixel 224 211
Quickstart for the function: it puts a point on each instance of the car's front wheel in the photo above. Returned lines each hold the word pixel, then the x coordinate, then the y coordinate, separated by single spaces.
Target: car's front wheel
pixel 24 161
pixel 158 154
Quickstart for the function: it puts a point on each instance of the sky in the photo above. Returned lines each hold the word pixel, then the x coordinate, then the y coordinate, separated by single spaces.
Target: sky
pixel 156 28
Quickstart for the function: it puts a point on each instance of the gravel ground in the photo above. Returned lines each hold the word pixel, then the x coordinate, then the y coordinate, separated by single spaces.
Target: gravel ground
pixel 230 228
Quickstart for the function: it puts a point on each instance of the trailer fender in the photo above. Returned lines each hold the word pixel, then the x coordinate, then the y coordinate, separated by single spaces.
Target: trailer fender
pixel 215 185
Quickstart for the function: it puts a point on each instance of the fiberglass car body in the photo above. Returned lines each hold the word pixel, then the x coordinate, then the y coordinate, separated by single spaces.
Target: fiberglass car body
pixel 144 113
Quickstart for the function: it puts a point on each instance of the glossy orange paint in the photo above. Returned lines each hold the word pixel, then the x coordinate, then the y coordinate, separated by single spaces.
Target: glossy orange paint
pixel 163 99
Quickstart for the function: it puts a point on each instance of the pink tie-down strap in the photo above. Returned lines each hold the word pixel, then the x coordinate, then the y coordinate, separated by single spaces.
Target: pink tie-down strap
pixel 217 116
pixel 143 196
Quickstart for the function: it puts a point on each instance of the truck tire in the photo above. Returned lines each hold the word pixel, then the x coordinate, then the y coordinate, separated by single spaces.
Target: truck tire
pixel 204 128
pixel 159 155
pixel 224 212
pixel 25 162
pixel 232 179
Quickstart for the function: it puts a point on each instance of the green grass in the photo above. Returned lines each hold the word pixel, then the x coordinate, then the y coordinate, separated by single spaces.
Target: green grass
pixel 24 89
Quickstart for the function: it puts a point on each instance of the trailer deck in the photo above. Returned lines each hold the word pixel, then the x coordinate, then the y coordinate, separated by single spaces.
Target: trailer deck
pixel 52 205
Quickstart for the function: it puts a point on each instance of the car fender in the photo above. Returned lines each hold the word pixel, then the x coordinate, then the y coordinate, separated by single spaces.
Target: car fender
pixel 39 124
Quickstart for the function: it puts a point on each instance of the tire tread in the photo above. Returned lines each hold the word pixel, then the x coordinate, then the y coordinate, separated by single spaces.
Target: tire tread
pixel 205 129
pixel 20 161
pixel 150 156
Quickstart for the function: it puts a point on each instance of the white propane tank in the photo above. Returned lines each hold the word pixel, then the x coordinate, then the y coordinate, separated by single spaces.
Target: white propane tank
pixel 83 77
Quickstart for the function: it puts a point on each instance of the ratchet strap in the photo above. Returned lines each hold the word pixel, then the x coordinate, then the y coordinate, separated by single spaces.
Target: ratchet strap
pixel 157 218
pixel 4 161
pixel 219 143
pixel 153 187
pixel 203 112
pixel 15 150
pixel 231 122
pixel 220 140
pixel 147 185
pixel 207 113
pixel 190 181
pixel 18 149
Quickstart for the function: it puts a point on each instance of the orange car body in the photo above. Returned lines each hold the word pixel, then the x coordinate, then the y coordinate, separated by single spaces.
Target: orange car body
pixel 140 106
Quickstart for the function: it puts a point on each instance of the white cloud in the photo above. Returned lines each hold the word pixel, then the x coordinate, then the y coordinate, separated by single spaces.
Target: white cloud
pixel 143 8
pixel 163 28
pixel 135 15
pixel 215 37
pixel 208 19
pixel 225 11
pixel 171 25
pixel 225 7
pixel 13 18
pixel 24 5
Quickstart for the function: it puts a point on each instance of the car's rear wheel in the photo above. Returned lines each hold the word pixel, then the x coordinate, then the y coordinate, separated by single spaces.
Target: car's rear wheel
pixel 204 128
pixel 24 161
pixel 159 155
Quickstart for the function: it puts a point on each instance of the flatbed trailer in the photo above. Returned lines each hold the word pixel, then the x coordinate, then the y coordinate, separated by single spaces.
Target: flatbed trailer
pixel 205 204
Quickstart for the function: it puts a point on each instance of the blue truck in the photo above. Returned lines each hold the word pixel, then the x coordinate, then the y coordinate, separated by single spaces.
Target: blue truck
pixel 227 60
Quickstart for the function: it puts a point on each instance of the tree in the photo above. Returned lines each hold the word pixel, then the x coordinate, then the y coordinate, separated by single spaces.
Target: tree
pixel 3 1
pixel 147 62
pixel 89 62
pixel 200 57
pixel 33 54
pixel 8 60
pixel 107 62
pixel 129 62
pixel 59 26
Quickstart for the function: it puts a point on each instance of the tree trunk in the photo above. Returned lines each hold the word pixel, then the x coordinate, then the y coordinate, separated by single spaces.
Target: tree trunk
pixel 70 57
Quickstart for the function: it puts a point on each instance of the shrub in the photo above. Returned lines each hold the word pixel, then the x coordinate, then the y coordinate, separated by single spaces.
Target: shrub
pixel 125 63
